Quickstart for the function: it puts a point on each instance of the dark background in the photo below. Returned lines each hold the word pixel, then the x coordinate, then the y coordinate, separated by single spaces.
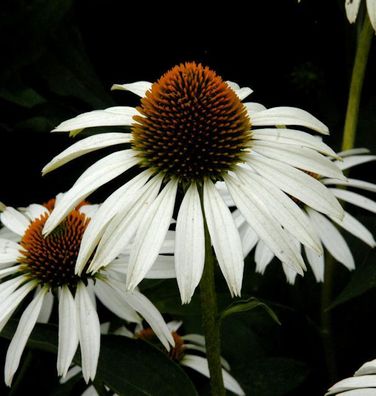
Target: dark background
pixel 60 58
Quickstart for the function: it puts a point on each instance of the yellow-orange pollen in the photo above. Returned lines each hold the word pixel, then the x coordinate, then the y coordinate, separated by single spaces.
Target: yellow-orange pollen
pixel 51 260
pixel 192 125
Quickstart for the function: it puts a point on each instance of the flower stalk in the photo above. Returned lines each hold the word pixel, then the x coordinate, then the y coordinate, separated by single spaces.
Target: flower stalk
pixel 210 317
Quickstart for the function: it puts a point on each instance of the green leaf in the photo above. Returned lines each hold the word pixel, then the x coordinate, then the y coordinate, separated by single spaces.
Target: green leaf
pixel 25 97
pixel 124 364
pixel 248 305
pixel 363 279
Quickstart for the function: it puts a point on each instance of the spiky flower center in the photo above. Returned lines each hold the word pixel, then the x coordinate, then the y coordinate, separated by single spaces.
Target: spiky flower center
pixel 51 260
pixel 192 125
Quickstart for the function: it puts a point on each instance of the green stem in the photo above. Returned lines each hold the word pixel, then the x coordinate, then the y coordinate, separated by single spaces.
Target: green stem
pixel 357 79
pixel 210 317
pixel 326 320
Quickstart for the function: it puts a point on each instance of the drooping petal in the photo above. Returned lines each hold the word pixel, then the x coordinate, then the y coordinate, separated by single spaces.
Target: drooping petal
pixel 120 115
pixel 200 365
pixel 289 273
pixel 288 116
pixel 299 157
pixel 367 368
pixel 352 8
pixel 355 199
pixel 85 146
pixel 196 338
pixel 151 234
pixel 242 93
pixel 253 107
pixel 190 244
pixel 363 381
pixel 267 228
pixel 46 310
pixel 118 201
pixel 68 331
pixel 263 256
pixel 9 286
pixel 35 211
pixel 225 238
pixel 115 301
pixel 298 184
pixel 293 137
pixel 14 220
pixel 95 176
pixel 88 332
pixel 9 271
pixel 150 313
pixel 354 160
pixel 316 261
pixel 89 210
pixel 352 183
pixel 138 88
pixel 332 239
pixel 285 211
pixel 9 251
pixel 122 227
pixel 24 328
pixel 355 227
pixel 354 151
pixel 248 237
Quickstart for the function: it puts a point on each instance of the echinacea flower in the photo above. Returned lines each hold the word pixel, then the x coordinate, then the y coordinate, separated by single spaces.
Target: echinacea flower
pixel 363 383
pixel 191 131
pixel 325 226
pixel 352 9
pixel 188 351
pixel 31 262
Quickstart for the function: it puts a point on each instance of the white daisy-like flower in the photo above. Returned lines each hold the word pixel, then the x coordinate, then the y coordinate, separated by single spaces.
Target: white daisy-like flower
pixel 191 131
pixel 363 383
pixel 31 262
pixel 186 352
pixel 352 9
pixel 330 237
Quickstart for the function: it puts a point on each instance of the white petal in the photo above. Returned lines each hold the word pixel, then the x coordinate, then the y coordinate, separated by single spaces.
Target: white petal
pixel 85 146
pixel 115 301
pixel 263 257
pixel 89 332
pixel 354 151
pixel 355 227
pixel 196 338
pixel 316 261
pixel 19 340
pixel 9 271
pixel 200 365
pixel 68 331
pixel 226 196
pixel 267 228
pixel 242 93
pixel 371 8
pixel 359 392
pixel 118 201
pixel 89 210
pixel 45 312
pixel 35 211
pixel 332 239
pixel 349 162
pixel 253 107
pixel 90 391
pixel 285 211
pixel 12 301
pixel 293 137
pixel 108 117
pixel 138 88
pixel 123 226
pixel 70 374
pixel 174 325
pixel 299 157
pixel 355 199
pixel 288 116
pixel 9 251
pixel 352 8
pixel 367 368
pixel 150 313
pixel 95 176
pixel 298 184
pixel 6 233
pixel 248 237
pixel 9 286
pixel 290 274
pixel 225 238
pixel 190 244
pixel 14 220
pixel 352 183
pixel 151 234
pixel 364 381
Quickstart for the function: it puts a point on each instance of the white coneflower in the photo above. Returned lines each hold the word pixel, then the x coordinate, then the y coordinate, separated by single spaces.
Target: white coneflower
pixel 352 9
pixel 31 262
pixel 325 226
pixel 192 130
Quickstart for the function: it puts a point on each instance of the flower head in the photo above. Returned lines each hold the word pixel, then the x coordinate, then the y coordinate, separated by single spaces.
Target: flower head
pixel 191 132
pixel 31 262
